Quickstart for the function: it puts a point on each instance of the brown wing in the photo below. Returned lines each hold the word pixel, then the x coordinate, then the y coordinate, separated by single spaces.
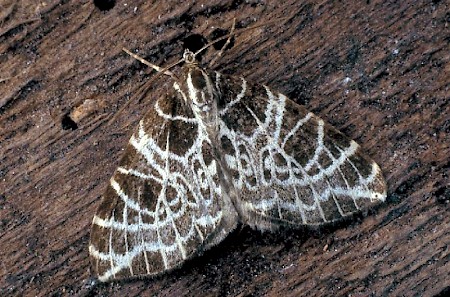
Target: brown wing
pixel 163 203
pixel 288 165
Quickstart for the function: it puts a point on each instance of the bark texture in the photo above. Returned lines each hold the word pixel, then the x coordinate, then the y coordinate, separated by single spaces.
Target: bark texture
pixel 377 70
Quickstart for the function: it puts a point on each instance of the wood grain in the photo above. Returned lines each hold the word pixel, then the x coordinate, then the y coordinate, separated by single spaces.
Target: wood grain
pixel 377 70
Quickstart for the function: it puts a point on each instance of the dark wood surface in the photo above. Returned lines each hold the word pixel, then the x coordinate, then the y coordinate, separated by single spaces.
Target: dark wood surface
pixel 377 70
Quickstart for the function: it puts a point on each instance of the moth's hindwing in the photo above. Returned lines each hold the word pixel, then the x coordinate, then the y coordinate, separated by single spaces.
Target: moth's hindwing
pixel 289 166
pixel 163 203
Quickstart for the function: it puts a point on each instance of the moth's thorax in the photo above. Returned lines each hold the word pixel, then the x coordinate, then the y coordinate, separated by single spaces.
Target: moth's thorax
pixel 201 93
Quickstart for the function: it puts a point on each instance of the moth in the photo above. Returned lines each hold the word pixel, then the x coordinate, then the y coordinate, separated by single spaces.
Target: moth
pixel 214 152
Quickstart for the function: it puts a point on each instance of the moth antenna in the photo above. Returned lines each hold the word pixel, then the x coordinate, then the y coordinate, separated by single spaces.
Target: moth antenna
pixel 143 89
pixel 219 54
pixel 157 68
pixel 160 70
pixel 237 32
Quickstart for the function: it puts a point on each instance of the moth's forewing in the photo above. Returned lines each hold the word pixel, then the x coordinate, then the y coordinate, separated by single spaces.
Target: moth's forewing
pixel 163 202
pixel 287 164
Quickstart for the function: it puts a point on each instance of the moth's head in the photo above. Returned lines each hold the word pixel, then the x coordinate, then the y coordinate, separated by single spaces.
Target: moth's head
pixel 200 89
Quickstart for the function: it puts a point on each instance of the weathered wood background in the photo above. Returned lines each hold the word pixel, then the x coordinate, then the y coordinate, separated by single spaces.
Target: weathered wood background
pixel 377 70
